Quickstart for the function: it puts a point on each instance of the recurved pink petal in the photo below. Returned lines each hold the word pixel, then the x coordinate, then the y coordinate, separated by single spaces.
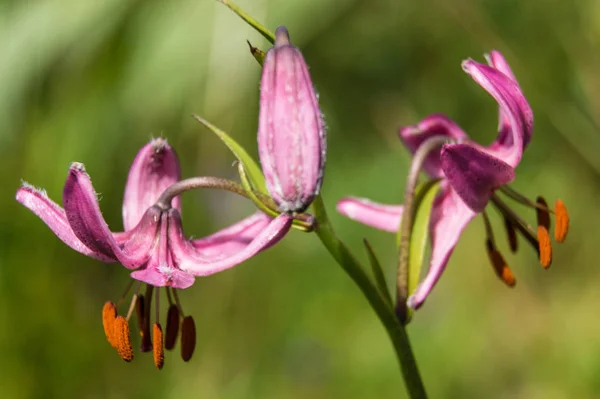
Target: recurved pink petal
pixel 160 271
pixel 202 263
pixel 84 216
pixel 155 168
pixel 474 174
pixel 291 132
pixel 450 215
pixel 434 125
pixel 380 216
pixel 516 115
pixel 54 216
pixel 496 60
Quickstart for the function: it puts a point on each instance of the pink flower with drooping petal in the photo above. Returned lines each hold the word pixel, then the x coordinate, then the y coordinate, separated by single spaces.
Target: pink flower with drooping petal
pixel 470 172
pixel 291 132
pixel 153 244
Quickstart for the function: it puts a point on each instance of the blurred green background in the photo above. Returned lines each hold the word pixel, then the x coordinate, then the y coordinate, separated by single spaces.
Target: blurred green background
pixel 93 81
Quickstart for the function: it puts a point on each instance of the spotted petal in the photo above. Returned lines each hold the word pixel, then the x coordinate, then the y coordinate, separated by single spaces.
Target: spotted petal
pixel 201 262
pixel 54 216
pixel 433 125
pixel 155 168
pixel 84 216
pixel 160 271
pixel 450 215
pixel 380 216
pixel 474 174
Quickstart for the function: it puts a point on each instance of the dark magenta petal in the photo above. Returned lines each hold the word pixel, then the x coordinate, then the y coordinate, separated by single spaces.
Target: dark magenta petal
pixel 54 216
pixel 474 174
pixel 380 216
pixel 84 216
pixel 450 215
pixel 155 168
pixel 516 124
pixel 203 262
pixel 434 125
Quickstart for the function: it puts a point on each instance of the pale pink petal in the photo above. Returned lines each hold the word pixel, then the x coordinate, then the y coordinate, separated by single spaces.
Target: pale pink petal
pixel 474 174
pixel 54 216
pixel 196 262
pixel 234 238
pixel 84 216
pixel 514 107
pixel 450 215
pixel 380 216
pixel 433 125
pixel 160 270
pixel 155 168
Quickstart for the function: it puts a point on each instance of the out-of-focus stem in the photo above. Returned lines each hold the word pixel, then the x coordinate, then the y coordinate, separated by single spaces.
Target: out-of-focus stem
pixel 382 308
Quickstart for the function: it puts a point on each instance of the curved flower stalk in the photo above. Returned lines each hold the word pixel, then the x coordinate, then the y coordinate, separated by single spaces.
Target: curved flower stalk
pixel 153 243
pixel 470 176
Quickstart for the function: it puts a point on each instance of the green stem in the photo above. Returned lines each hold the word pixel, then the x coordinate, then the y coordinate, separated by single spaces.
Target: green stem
pixel 267 34
pixel 384 311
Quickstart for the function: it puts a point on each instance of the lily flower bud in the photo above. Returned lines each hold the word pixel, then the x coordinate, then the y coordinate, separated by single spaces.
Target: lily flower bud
pixel 291 132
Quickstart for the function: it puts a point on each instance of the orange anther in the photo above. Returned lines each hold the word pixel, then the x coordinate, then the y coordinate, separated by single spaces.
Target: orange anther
pixel 545 246
pixel 562 221
pixel 109 314
pixel 500 267
pixel 122 339
pixel 157 346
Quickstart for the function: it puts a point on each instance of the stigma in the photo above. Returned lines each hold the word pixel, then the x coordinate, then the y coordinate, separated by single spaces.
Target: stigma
pixel 152 339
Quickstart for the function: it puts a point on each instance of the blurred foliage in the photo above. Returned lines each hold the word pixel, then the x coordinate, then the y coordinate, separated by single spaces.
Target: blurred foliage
pixel 92 81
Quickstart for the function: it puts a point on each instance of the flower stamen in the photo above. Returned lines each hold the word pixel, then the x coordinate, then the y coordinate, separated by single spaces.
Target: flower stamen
pixel 545 246
pixel 109 314
pixel 512 234
pixel 496 259
pixel 122 339
pixel 562 221
pixel 158 350
pixel 188 338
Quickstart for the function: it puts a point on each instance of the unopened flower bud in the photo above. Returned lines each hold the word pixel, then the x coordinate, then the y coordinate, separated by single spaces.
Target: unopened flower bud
pixel 291 132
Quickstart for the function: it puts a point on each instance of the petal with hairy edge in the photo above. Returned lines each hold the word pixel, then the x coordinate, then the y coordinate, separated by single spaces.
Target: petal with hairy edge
pixel 450 215
pixel 234 238
pixel 84 216
pixel 160 271
pixel 54 216
pixel 380 216
pixel 474 174
pixel 155 168
pixel 195 262
pixel 513 106
pixel 433 125
pixel 496 60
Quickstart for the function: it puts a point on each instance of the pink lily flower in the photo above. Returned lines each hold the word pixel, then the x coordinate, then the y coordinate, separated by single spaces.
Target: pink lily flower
pixel 291 132
pixel 153 243
pixel 470 174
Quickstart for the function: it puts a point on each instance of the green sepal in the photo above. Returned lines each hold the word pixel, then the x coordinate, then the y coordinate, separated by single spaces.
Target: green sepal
pixel 253 170
pixel 423 204
pixel 302 222
pixel 257 53
pixel 378 273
